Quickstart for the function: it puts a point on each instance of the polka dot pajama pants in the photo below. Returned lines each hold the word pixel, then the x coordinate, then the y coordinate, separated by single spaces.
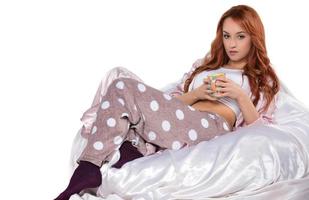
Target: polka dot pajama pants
pixel 131 109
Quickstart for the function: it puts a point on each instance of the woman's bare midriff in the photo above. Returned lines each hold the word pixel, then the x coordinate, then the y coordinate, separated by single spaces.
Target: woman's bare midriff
pixel 216 107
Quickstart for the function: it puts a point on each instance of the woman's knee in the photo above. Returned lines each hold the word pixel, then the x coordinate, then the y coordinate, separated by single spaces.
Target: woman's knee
pixel 125 83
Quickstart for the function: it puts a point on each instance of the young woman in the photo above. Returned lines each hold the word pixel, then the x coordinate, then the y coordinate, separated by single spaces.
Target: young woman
pixel 133 111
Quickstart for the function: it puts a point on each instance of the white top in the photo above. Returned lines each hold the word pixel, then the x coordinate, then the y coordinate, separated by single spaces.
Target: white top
pixel 233 74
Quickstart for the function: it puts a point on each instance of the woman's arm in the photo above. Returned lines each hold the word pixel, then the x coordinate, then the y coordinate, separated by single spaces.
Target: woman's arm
pixel 249 112
pixel 188 98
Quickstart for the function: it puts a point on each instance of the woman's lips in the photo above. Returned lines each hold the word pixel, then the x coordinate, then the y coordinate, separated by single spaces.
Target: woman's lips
pixel 233 52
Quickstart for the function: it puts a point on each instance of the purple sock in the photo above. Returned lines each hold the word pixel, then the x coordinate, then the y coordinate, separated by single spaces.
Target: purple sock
pixel 86 175
pixel 127 153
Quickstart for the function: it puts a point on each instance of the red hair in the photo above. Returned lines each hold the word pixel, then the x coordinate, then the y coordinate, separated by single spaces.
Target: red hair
pixel 262 77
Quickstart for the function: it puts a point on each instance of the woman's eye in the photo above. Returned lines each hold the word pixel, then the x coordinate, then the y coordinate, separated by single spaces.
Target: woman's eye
pixel 241 36
pixel 225 36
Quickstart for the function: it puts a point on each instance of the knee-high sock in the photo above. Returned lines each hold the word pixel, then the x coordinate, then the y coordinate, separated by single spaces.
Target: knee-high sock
pixel 127 153
pixel 86 175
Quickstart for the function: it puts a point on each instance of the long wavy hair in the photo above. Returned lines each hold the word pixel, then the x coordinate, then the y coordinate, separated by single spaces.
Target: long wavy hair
pixel 262 77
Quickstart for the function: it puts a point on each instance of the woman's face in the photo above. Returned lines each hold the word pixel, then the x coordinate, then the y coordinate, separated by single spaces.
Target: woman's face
pixel 236 41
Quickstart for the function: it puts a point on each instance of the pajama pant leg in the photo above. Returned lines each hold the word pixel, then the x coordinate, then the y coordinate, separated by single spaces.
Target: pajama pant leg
pixel 131 108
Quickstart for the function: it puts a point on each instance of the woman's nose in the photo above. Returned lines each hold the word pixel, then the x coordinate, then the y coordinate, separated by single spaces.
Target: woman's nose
pixel 232 43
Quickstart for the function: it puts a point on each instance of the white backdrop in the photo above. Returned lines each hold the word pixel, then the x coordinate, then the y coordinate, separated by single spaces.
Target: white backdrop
pixel 53 55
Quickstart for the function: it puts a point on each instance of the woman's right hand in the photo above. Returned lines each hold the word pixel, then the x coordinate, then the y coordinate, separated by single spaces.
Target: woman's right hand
pixel 203 92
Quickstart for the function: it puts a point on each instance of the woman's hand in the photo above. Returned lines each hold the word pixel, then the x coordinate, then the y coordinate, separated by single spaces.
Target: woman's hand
pixel 228 88
pixel 204 92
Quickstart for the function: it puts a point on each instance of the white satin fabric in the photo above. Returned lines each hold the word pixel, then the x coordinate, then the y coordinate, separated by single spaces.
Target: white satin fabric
pixel 256 162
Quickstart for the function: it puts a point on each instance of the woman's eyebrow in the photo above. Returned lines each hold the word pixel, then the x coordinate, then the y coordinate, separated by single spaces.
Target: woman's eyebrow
pixel 236 33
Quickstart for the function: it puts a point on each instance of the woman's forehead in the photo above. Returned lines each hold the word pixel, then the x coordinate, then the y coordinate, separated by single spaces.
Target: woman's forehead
pixel 230 26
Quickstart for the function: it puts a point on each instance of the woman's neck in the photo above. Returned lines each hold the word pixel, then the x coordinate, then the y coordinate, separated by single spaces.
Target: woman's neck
pixel 235 65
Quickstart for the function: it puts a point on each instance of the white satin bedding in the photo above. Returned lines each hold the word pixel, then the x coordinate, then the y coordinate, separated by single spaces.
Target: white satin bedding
pixel 256 162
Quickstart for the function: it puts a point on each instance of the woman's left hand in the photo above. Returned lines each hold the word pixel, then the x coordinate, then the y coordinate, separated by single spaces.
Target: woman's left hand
pixel 227 87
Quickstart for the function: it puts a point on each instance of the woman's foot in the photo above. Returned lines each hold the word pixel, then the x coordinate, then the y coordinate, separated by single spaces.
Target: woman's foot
pixel 128 152
pixel 86 175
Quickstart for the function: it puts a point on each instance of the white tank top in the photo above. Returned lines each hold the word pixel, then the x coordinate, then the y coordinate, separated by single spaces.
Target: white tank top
pixel 233 74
